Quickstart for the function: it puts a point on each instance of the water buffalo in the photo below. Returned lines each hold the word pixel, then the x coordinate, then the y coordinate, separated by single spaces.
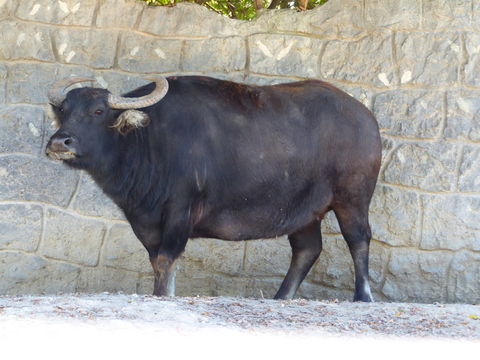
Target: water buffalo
pixel 192 156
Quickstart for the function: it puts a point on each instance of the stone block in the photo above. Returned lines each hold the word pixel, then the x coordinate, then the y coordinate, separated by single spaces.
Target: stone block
pixel 431 59
pixel 145 286
pixel 119 13
pixel 417 276
pixel 21 129
pixel 379 256
pixel 272 21
pixel 146 54
pixel 192 279
pixel 254 79
pixel 451 222
pixel 268 257
pixel 472 66
pixel 360 93
pixel 177 21
pixel 378 70
pixel 463 115
pixel 410 113
pixel 118 82
pixel 334 268
pixel 215 255
pixel 464 278
pixel 335 19
pixel 394 216
pixel 6 7
pixel 429 166
pixel 330 224
pixel 123 250
pixel 91 201
pixel 25 41
pixel 72 239
pixel 469 177
pixel 307 290
pixel 233 287
pixel 434 271
pixel 475 12
pixel 393 14
pixel 31 274
pixel 90 47
pixel 240 77
pixel 3 83
pixel 21 226
pixel 285 55
pixel 388 146
pixel 447 14
pixel 197 281
pixel 25 178
pixel 208 55
pixel 28 82
pixel 103 278
pixel 66 12
pixel 322 292
pixel 260 288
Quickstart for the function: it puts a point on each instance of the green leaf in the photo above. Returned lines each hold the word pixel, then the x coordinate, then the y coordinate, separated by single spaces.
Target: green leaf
pixel 237 9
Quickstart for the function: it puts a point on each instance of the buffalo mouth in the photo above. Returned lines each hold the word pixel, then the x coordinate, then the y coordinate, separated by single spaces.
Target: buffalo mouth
pixel 61 155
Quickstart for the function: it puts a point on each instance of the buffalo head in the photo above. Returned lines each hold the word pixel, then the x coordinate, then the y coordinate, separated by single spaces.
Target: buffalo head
pixel 90 119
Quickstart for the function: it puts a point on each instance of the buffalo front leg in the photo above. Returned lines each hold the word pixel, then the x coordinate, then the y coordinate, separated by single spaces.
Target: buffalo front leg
pixel 173 238
pixel 306 247
pixel 164 270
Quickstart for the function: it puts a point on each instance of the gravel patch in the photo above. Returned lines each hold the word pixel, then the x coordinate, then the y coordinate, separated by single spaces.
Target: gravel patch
pixel 239 326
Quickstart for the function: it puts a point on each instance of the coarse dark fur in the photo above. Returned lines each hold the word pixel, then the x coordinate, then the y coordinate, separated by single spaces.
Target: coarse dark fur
pixel 235 162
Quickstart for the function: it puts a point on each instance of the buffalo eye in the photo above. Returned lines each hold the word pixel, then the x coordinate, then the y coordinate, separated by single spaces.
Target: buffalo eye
pixel 60 109
pixel 99 112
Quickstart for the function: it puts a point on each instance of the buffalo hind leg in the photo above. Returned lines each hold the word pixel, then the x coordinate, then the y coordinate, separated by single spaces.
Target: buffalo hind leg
pixel 306 248
pixel 356 231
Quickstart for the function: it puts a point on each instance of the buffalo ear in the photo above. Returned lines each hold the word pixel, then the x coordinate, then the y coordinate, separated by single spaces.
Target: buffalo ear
pixel 130 120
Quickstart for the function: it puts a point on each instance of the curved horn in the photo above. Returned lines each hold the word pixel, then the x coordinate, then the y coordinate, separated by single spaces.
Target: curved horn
pixel 58 91
pixel 161 88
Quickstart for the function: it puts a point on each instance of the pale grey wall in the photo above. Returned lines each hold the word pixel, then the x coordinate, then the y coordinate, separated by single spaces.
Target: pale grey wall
pixel 414 63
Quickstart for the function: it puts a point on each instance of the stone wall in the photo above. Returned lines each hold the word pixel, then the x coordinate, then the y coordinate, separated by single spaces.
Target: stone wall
pixel 414 63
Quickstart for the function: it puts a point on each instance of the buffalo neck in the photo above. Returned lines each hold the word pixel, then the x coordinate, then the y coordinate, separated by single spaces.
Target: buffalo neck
pixel 132 178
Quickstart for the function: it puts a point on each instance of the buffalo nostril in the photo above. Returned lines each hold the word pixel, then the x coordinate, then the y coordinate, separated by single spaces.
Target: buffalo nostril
pixel 60 143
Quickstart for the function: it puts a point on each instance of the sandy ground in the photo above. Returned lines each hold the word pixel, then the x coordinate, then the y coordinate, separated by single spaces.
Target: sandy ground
pixel 80 325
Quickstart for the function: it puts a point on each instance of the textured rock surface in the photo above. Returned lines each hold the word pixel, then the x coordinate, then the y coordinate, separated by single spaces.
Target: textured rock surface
pixel 25 41
pixel 66 12
pixel 76 46
pixel 415 64
pixel 149 54
pixel 375 70
pixel 24 273
pixel 22 129
pixel 425 166
pixel 414 52
pixel 463 116
pixel 21 226
pixel 124 251
pixel 410 113
pixel 69 238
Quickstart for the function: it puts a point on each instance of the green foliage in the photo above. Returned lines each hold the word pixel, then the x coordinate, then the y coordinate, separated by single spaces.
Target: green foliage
pixel 239 9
